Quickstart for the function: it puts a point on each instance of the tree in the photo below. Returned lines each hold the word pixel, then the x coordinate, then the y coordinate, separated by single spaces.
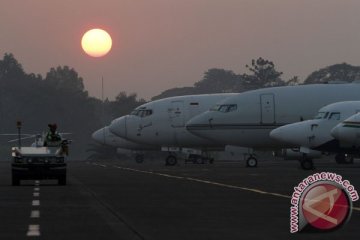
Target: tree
pixel 10 68
pixel 293 81
pixel 337 72
pixel 124 103
pixel 263 74
pixel 217 80
pixel 64 78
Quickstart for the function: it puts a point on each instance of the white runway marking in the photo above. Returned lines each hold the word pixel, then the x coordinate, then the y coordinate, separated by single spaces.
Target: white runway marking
pixel 35 214
pixel 33 231
pixel 97 164
pixel 36 194
pixel 36 189
pixel 36 202
pixel 213 183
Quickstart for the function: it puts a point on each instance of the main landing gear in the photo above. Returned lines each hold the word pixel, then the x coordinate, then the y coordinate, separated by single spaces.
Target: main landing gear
pixel 251 161
pixel 171 160
pixel 306 163
pixel 139 158
pixel 341 158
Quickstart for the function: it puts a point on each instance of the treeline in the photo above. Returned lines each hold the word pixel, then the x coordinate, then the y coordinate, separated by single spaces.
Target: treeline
pixel 60 97
pixel 261 73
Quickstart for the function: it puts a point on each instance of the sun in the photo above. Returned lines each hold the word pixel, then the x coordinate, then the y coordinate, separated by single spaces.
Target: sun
pixel 96 42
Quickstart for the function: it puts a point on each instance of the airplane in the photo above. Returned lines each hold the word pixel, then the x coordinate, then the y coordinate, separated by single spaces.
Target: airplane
pixel 162 123
pixel 246 119
pixel 348 132
pixel 315 134
pixel 105 137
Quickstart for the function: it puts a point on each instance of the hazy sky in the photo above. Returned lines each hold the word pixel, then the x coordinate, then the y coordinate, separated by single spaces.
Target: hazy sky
pixel 159 44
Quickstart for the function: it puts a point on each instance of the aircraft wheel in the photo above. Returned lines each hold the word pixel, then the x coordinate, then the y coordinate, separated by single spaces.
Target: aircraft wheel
pixel 307 164
pixel 139 158
pixel 171 160
pixel 340 158
pixel 251 162
pixel 200 160
pixel 349 159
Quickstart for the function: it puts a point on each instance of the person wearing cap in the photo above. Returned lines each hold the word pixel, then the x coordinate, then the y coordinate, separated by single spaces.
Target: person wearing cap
pixel 53 138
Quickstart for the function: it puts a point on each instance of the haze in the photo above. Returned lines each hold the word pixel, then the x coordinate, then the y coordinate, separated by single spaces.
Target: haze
pixel 160 44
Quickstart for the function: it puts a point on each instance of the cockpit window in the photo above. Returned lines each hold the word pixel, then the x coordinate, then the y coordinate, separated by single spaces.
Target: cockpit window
pixel 215 108
pixel 134 112
pixel 227 108
pixel 334 116
pixel 142 112
pixel 322 115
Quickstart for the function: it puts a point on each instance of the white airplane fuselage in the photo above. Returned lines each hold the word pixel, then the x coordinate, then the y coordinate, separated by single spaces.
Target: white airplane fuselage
pixel 105 137
pixel 348 132
pixel 246 119
pixel 316 133
pixel 162 122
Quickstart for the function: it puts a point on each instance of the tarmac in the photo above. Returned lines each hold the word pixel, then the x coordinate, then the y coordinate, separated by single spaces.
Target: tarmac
pixel 126 200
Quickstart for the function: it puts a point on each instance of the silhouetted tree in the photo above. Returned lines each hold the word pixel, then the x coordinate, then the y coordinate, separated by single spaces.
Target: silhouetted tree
pixel 219 80
pixel 64 78
pixel 124 104
pixel 263 74
pixel 337 72
pixel 293 81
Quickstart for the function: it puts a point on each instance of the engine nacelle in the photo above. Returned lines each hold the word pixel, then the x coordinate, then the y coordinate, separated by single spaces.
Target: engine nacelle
pixel 297 154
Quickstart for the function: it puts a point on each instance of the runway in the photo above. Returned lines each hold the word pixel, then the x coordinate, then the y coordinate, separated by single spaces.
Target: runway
pixel 125 200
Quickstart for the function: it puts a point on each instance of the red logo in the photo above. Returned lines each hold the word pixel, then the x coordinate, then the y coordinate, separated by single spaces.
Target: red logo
pixel 325 206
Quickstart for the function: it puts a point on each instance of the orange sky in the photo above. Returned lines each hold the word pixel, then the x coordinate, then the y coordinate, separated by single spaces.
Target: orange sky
pixel 159 44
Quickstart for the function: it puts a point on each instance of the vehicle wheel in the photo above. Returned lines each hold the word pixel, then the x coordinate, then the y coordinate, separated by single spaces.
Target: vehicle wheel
pixel 15 180
pixel 251 162
pixel 171 160
pixel 191 158
pixel 139 158
pixel 200 160
pixel 62 180
pixel 307 164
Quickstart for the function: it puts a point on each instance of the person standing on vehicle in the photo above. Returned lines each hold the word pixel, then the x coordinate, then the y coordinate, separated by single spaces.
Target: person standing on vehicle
pixel 52 138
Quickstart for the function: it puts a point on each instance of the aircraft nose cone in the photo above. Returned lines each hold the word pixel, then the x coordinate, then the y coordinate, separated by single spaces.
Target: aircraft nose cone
pixel 277 134
pixel 197 123
pixel 99 136
pixel 287 134
pixel 118 127
pixel 335 132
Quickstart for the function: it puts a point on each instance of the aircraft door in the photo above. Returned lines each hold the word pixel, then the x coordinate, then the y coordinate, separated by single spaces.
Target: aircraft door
pixel 176 114
pixel 267 108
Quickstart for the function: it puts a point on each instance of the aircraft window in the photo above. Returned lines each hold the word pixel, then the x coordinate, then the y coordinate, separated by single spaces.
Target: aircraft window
pixel 215 108
pixel 145 113
pixel 142 112
pixel 232 108
pixel 135 112
pixel 334 116
pixel 322 115
pixel 227 108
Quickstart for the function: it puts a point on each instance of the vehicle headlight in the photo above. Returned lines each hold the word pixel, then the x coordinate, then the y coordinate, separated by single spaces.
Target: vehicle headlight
pixel 29 160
